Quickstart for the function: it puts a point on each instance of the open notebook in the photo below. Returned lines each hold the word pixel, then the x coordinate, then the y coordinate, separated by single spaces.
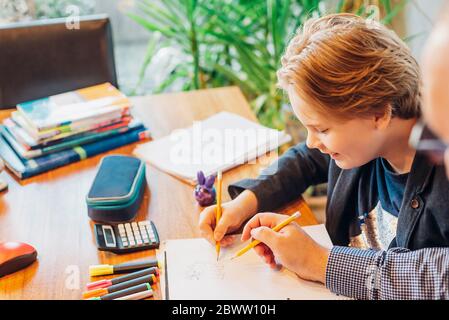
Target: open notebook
pixel 191 271
pixel 220 142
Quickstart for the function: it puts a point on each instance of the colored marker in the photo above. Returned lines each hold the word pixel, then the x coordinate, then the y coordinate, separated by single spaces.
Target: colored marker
pixel 137 296
pixel 106 269
pixel 124 292
pixel 109 282
pixel 151 278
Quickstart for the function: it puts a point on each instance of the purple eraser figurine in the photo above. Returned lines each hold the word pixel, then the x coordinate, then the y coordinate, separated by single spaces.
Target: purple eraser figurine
pixel 204 190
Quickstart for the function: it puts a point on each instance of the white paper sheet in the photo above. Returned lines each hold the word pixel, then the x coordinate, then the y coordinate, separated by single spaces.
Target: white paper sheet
pixel 194 273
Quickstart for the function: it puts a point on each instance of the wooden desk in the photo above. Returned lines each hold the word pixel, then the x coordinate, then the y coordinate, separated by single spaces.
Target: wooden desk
pixel 49 210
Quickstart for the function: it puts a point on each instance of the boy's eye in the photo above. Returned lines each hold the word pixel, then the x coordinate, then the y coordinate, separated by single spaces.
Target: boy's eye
pixel 323 131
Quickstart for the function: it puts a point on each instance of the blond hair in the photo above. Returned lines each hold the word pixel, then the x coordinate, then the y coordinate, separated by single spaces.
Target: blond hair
pixel 350 67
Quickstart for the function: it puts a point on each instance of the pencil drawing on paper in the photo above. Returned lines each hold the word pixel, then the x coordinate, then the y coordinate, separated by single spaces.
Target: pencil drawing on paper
pixel 198 271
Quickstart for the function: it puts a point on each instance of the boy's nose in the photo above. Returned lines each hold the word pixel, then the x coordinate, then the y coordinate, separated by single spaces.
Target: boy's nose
pixel 312 142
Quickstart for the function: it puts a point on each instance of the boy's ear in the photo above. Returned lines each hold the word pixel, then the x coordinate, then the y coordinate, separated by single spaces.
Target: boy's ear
pixel 382 120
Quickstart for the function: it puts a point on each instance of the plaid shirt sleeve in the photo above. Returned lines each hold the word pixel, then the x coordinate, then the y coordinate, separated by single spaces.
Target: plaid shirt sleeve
pixel 397 273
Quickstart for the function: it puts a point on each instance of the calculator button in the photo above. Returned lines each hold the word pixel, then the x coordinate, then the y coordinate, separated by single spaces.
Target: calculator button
pixel 132 243
pixel 125 243
pixel 139 241
pixel 121 227
pixel 146 240
pixel 136 233
pixel 130 237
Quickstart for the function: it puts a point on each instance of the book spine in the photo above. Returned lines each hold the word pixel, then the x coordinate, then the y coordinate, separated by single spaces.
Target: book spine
pixel 55 141
pixel 59 159
pixel 68 126
pixel 18 148
pixel 20 134
pixel 84 110
pixel 65 130
pixel 84 124
pixel 88 139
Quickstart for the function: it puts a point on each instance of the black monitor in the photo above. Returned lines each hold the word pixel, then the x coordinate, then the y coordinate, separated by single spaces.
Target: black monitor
pixel 47 57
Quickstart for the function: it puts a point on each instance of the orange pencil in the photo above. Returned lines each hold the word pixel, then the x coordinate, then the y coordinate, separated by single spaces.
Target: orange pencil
pixel 218 210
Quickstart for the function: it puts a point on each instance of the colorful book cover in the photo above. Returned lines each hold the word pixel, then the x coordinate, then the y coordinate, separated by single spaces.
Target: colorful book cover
pixel 73 128
pixel 95 136
pixel 23 133
pixel 23 168
pixel 65 108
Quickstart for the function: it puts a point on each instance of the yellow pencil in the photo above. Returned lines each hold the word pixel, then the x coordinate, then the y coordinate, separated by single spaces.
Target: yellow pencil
pixel 218 210
pixel 278 227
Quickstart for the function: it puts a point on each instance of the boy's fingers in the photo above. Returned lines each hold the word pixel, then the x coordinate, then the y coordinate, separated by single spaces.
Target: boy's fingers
pixel 205 224
pixel 266 219
pixel 265 235
pixel 227 240
pixel 221 228
pixel 208 235
pixel 265 253
pixel 260 251
pixel 254 222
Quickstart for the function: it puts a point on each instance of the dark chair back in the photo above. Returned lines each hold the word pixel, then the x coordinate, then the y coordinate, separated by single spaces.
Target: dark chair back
pixel 47 57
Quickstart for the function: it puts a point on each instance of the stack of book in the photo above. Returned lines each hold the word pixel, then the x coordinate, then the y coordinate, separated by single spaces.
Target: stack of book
pixel 51 132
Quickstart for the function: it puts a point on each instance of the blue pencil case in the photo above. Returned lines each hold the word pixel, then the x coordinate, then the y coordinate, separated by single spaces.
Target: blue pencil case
pixel 117 190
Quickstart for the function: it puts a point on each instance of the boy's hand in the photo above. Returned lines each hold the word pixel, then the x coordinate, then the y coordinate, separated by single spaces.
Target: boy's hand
pixel 234 213
pixel 291 246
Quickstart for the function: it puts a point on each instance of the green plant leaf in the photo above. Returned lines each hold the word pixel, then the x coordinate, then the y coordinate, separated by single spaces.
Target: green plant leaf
pixel 394 12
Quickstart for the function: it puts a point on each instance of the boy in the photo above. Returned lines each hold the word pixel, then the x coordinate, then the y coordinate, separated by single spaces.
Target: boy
pixel 356 88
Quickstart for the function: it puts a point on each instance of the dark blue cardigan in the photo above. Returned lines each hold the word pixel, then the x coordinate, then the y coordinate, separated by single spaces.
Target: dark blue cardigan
pixel 423 219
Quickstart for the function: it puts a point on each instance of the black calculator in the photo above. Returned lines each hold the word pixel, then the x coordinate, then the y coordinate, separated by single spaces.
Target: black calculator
pixel 127 237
